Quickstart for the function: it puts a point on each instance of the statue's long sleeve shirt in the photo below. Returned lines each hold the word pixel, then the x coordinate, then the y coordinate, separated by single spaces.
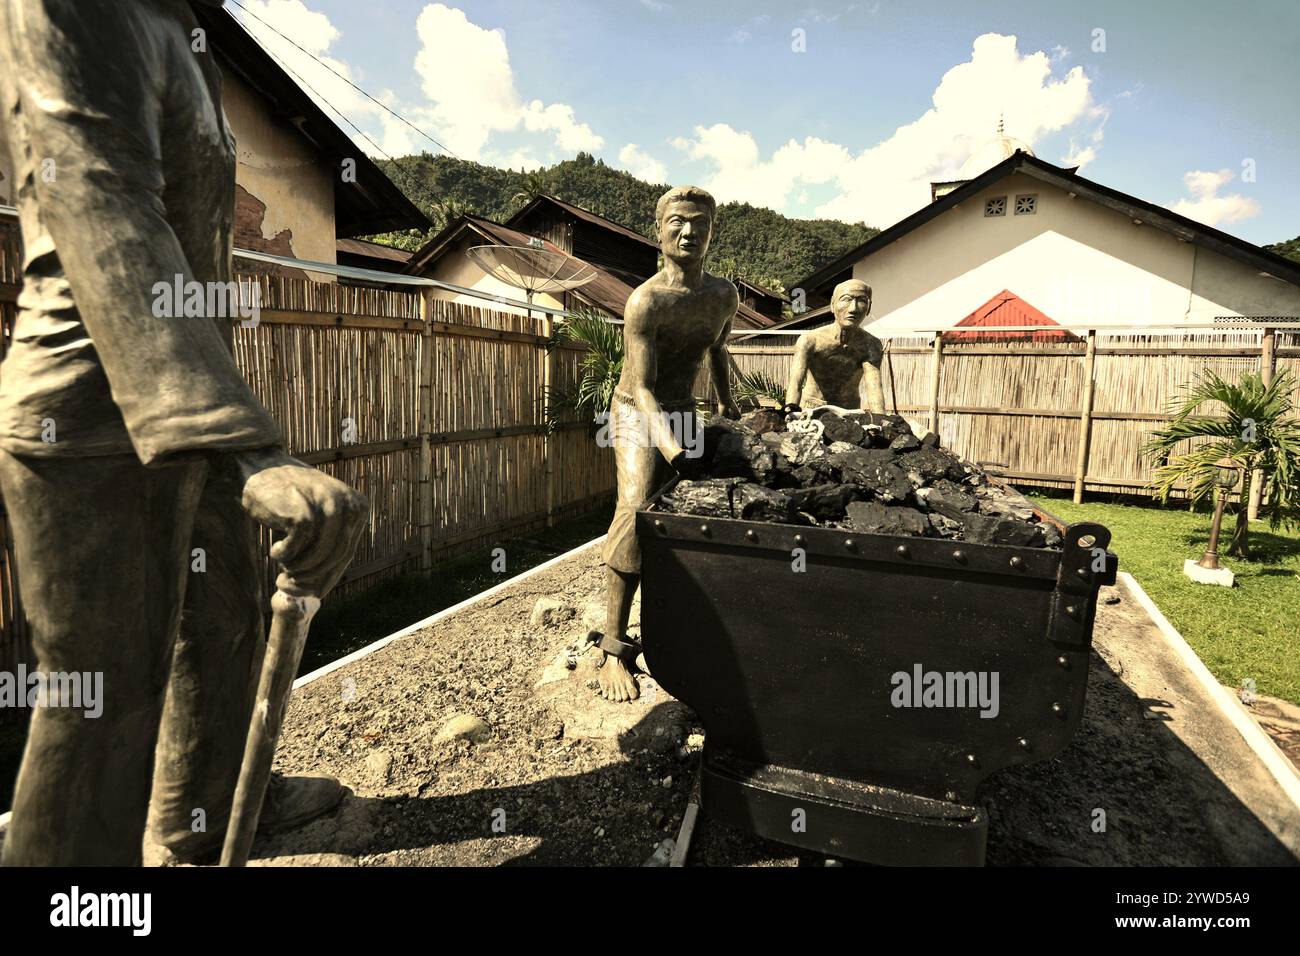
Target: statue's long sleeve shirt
pixel 124 175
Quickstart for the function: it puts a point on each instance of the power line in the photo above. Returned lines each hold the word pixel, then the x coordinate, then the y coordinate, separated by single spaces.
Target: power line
pixel 412 179
pixel 380 103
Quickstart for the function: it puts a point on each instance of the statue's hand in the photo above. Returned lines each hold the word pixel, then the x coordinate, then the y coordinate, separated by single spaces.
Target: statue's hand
pixel 689 468
pixel 321 517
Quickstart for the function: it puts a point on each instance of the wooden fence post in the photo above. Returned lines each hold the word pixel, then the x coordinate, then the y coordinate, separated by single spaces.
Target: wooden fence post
pixel 1267 369
pixel 936 366
pixel 1085 417
pixel 425 428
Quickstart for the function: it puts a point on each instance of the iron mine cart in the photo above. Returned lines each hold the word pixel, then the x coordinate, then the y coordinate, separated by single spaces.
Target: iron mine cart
pixel 810 739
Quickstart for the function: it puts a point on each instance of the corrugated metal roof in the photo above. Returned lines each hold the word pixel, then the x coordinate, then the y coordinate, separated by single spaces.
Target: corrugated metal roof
pixel 1007 308
pixel 375 250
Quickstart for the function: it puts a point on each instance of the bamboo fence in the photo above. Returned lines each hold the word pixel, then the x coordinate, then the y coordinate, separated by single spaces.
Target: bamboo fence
pixel 434 410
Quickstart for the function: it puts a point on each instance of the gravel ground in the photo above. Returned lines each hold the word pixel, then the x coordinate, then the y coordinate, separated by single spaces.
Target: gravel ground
pixel 559 777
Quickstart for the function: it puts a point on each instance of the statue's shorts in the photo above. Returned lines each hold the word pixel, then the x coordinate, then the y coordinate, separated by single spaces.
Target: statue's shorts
pixel 641 471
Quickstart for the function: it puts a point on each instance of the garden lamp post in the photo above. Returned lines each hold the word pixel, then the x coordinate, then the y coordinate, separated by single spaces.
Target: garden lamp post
pixel 1226 475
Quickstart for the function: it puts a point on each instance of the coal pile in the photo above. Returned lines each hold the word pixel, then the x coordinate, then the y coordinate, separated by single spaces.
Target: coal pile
pixel 857 472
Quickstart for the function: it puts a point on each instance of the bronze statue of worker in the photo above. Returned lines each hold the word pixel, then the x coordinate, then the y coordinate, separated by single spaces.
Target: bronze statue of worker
pixel 129 442
pixel 838 364
pixel 672 321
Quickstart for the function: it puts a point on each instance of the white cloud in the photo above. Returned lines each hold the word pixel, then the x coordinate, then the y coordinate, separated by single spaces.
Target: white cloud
pixel 1207 206
pixel 742 175
pixel 886 182
pixel 464 73
pixel 570 135
pixel 1079 156
pixel 316 34
pixel 642 165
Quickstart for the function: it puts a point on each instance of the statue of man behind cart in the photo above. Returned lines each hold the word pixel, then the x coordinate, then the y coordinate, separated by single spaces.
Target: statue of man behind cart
pixel 672 321
pixel 838 364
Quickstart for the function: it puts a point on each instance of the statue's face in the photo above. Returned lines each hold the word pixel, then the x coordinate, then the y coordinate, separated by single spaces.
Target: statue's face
pixel 851 307
pixel 684 231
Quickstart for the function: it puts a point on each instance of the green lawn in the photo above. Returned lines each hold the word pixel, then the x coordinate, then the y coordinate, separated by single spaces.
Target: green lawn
pixel 1251 630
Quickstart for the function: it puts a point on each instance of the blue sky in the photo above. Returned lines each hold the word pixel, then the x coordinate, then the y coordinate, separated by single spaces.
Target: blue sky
pixel 1191 105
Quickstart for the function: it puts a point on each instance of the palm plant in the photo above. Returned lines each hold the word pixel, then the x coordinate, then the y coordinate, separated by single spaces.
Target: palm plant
pixel 1257 431
pixel 748 387
pixel 599 369
pixel 537 183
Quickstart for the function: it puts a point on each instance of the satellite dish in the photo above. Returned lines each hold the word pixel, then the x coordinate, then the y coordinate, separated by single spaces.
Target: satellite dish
pixel 533 268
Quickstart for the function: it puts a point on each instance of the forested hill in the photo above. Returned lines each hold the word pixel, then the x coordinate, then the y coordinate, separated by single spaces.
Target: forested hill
pixel 750 242
pixel 1290 248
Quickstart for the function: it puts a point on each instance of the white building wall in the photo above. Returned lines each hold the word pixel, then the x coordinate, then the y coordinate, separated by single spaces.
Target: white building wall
pixel 1077 261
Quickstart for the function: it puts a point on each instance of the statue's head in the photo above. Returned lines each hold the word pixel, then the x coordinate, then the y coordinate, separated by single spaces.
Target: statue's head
pixel 684 218
pixel 851 303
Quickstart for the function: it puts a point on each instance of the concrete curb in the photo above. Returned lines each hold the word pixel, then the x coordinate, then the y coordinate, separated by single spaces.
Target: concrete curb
pixel 418 626
pixel 1276 762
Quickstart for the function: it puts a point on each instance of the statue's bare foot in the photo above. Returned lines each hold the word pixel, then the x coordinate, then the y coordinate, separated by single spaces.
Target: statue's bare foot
pixel 616 681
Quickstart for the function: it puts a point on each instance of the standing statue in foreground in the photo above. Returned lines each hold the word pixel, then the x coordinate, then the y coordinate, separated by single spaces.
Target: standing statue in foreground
pixel 672 320
pixel 134 459
pixel 838 364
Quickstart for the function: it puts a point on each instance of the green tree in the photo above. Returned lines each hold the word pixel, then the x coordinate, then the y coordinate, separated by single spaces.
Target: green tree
pixel 537 183
pixel 1290 248
pixel 1256 429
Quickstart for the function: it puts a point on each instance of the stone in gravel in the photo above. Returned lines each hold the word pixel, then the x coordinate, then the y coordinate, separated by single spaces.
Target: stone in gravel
pixel 558 669
pixel 756 503
pixel 708 498
pixel 999 529
pixel 764 420
pixel 465 727
pixel 836 428
pixel 874 518
pixel 1109 594
pixel 379 764
pixel 904 443
pixel 662 854
pixel 825 502
pixel 930 440
pixel 548 612
pixel 593 617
